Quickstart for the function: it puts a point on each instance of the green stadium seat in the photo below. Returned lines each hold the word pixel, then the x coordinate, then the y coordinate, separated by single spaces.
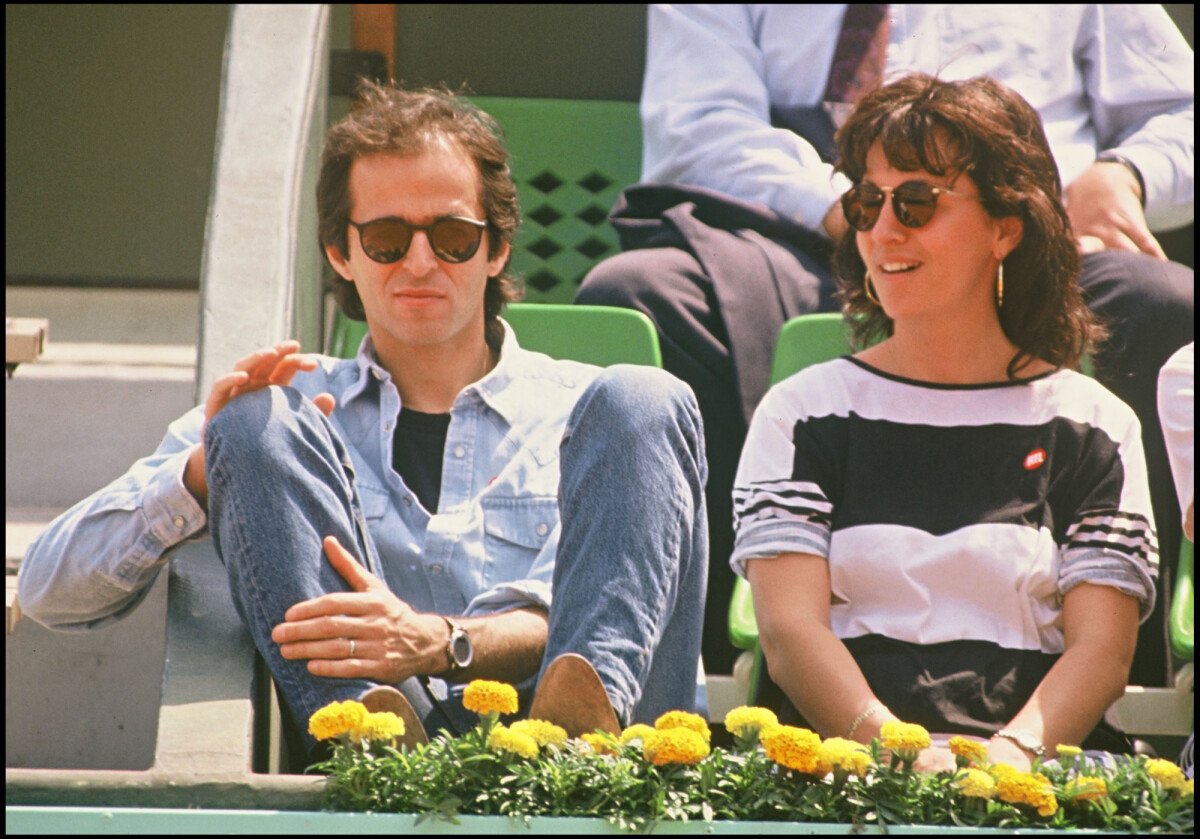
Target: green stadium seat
pixel 601 335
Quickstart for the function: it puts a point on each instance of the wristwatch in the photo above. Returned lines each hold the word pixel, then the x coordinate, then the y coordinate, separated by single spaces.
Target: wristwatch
pixel 1024 739
pixel 459 651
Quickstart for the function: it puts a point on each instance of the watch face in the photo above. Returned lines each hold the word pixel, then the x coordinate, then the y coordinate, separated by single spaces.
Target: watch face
pixel 461 649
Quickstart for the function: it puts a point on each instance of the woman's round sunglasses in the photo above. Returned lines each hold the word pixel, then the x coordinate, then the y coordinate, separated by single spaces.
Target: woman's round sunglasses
pixel 913 202
pixel 453 239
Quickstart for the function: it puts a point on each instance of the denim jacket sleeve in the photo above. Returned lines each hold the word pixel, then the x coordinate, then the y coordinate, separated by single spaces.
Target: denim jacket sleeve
pixel 97 560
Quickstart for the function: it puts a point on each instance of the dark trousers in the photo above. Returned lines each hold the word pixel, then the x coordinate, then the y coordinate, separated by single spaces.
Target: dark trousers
pixel 1147 305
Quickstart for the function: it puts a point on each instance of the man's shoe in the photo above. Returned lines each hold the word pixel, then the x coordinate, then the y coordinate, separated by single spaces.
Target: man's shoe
pixel 387 698
pixel 571 695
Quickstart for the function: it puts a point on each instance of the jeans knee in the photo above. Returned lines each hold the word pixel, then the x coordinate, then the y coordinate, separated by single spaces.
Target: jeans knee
pixel 637 406
pixel 251 423
pixel 643 393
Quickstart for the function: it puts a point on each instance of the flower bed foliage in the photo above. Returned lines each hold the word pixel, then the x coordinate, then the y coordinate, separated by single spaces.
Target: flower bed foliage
pixel 773 773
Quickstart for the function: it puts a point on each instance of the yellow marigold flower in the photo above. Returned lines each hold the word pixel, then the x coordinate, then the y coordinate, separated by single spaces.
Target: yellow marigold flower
pixel 975 783
pixel 1167 774
pixel 1029 788
pixel 903 739
pixel 1190 787
pixel 1066 752
pixel 544 733
pixel 1087 788
pixel 485 697
pixel 336 719
pixel 637 731
pixel 684 719
pixel 383 725
pixel 838 754
pixel 506 740
pixel 747 722
pixel 795 748
pixel 1047 804
pixel 972 751
pixel 675 745
pixel 602 744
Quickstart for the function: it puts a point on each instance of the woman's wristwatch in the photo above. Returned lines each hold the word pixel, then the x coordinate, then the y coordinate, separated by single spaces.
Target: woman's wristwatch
pixel 1025 740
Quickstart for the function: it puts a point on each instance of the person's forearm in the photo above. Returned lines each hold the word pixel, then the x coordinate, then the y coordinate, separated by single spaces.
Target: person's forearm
pixel 508 646
pixel 824 682
pixel 95 561
pixel 1073 696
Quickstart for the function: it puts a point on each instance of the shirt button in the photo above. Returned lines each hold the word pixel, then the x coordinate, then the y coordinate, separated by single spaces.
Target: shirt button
pixel 435 569
pixel 408 501
pixel 542 529
pixel 459 451
pixel 179 522
pixel 387 426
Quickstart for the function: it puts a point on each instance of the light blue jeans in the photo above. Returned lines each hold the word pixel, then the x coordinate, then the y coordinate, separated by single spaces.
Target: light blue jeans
pixel 632 563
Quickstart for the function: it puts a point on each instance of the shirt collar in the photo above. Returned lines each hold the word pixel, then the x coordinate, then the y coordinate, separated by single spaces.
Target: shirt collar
pixel 500 389
pixel 494 389
pixel 368 368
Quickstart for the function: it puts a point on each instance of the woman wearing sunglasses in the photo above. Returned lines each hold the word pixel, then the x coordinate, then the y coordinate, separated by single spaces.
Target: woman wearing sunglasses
pixel 952 526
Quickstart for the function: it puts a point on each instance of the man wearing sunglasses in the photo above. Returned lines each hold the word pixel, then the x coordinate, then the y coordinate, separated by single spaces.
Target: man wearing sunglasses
pixel 445 506
pixel 731 231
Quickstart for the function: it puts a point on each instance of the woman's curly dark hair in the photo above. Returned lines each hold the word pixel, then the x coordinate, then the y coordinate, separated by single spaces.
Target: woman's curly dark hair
pixel 985 131
pixel 389 120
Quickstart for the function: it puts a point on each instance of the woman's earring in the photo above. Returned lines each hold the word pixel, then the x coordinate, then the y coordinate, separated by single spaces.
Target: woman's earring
pixel 1000 286
pixel 867 290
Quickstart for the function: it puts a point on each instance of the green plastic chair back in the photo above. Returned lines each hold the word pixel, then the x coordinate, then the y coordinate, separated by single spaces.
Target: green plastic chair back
pixel 1183 604
pixel 803 341
pixel 570 160
pixel 600 335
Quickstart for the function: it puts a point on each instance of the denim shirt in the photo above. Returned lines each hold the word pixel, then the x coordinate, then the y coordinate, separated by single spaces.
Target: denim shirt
pixel 490 546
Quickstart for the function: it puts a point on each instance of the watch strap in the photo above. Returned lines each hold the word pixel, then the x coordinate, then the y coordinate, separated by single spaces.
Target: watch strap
pixel 456 630
pixel 1116 157
pixel 1025 740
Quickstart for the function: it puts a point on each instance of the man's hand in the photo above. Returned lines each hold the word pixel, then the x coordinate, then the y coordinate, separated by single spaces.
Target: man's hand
pixel 275 365
pixel 835 223
pixel 392 641
pixel 1104 205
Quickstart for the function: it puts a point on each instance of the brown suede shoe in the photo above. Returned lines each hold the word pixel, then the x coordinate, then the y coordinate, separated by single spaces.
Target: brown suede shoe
pixel 387 698
pixel 572 696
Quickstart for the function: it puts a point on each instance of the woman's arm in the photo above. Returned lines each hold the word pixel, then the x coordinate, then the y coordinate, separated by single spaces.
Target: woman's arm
pixel 1100 626
pixel 804 657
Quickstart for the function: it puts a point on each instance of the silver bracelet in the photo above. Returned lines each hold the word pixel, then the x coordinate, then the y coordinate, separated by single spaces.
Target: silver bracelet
pixel 872 709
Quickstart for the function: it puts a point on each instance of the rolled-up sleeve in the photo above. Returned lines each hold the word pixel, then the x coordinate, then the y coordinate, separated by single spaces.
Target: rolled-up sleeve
pixel 96 561
pixel 1111 539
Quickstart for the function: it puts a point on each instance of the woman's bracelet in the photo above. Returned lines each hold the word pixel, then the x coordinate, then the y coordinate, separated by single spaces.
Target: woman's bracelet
pixel 872 709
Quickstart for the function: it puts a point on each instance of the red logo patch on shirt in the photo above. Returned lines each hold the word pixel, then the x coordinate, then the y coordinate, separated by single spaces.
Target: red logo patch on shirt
pixel 1035 459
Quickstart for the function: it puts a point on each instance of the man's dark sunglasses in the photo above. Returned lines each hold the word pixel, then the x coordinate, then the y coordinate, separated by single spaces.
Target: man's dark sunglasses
pixel 453 238
pixel 913 202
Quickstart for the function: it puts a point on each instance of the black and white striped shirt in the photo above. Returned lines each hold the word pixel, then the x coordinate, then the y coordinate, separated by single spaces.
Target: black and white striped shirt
pixel 954 518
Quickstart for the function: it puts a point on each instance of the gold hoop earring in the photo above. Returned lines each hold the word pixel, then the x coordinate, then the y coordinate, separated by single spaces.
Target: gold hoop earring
pixel 1000 287
pixel 867 290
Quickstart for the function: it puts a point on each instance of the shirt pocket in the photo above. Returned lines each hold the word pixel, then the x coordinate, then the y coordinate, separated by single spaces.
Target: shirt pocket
pixel 515 530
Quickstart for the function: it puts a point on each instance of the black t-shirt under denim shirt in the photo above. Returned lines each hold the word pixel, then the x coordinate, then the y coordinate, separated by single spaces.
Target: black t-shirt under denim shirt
pixel 417 449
